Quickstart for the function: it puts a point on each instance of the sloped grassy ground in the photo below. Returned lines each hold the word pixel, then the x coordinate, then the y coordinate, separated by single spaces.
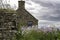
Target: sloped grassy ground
pixel 35 35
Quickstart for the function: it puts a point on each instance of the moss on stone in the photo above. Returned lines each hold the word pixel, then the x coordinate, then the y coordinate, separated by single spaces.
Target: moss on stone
pixel 7 10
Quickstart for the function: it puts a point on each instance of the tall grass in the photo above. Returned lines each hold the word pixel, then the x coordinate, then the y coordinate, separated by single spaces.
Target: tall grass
pixel 35 35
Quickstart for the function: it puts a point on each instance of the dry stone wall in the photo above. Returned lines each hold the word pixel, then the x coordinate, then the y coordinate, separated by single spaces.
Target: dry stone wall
pixel 8 26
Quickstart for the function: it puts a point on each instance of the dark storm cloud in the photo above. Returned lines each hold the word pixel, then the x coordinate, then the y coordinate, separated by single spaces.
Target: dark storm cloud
pixel 53 8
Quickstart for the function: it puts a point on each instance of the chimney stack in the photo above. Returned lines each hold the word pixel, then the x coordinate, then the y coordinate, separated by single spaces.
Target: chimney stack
pixel 21 4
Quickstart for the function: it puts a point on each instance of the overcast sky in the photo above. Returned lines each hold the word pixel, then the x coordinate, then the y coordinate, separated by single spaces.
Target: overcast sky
pixel 46 11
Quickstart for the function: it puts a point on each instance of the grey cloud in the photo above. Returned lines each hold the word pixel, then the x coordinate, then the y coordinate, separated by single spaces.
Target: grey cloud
pixel 50 10
pixel 53 9
pixel 50 18
pixel 48 4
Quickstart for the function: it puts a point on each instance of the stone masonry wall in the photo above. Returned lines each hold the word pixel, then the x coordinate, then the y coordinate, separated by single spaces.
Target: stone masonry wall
pixel 7 26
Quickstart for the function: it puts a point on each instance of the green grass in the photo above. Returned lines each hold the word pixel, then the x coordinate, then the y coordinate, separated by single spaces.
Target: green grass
pixel 35 35
pixel 7 10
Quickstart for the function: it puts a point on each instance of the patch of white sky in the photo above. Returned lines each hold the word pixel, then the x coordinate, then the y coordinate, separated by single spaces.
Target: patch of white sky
pixel 13 3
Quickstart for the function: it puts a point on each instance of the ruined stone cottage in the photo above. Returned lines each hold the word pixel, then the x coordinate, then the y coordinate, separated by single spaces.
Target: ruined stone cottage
pixel 9 21
pixel 26 19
